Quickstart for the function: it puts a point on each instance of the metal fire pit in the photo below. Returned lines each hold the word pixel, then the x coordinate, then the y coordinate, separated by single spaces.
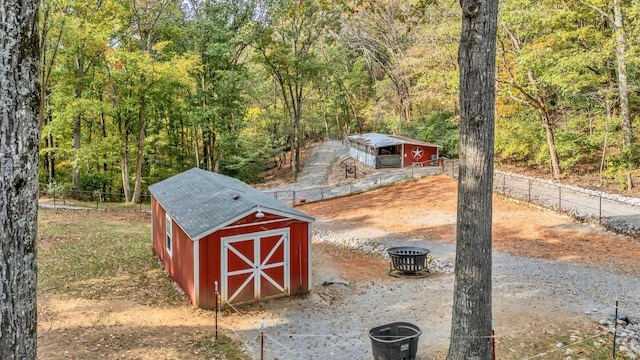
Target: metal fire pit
pixel 408 261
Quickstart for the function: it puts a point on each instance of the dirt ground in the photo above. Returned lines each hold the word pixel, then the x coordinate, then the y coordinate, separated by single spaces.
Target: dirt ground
pixel 88 329
pixel 426 209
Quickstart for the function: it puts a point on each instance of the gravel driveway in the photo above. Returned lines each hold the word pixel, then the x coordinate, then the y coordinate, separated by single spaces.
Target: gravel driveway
pixel 530 295
pixel 533 298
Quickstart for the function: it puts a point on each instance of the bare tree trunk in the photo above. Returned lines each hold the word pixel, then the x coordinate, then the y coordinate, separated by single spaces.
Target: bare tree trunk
pixel 326 123
pixel 124 169
pixel 77 126
pixel 209 140
pixel 617 24
pixel 19 147
pixel 623 86
pixel 537 101
pixel 551 143
pixel 196 148
pixel 137 187
pixel 471 317
pixel 608 109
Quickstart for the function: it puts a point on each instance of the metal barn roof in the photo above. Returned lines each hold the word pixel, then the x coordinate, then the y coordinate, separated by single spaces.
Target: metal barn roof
pixel 201 201
pixel 382 140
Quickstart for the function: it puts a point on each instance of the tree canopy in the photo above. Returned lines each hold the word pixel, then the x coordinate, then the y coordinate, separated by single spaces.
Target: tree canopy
pixel 136 91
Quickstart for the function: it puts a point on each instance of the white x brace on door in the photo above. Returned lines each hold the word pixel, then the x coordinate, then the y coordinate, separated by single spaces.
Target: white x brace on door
pixel 255 266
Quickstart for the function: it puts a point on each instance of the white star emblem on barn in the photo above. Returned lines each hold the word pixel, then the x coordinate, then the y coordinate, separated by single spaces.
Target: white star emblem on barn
pixel 417 152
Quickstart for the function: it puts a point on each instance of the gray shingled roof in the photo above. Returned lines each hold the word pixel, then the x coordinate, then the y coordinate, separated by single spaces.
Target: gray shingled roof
pixel 382 140
pixel 201 201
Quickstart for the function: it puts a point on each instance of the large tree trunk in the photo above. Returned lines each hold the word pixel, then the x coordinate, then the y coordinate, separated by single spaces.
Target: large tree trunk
pixel 471 318
pixel 19 147
pixel 623 87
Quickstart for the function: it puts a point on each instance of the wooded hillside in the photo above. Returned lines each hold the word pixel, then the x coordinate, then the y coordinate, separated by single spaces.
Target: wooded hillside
pixel 134 91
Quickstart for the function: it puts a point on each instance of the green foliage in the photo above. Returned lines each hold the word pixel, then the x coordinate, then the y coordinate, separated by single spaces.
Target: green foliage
pixel 249 158
pixel 93 182
pixel 578 146
pixel 212 348
pixel 186 85
pixel 519 141
pixel 628 159
pixel 441 128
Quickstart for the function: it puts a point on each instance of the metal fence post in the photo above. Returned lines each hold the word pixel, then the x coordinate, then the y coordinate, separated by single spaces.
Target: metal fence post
pixel 293 198
pixel 560 197
pixel 504 182
pixel 529 196
pixel 600 211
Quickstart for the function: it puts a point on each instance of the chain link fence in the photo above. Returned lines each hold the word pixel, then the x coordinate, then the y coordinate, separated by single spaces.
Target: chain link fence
pixel 76 199
pixel 380 179
pixel 616 212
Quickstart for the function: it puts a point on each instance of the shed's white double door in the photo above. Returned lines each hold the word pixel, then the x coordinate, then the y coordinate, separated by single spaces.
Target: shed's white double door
pixel 255 266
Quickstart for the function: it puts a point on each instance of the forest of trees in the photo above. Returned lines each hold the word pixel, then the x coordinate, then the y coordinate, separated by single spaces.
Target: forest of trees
pixel 134 91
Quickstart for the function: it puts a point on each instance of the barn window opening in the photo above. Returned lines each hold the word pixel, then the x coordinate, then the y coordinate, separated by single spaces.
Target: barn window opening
pixel 169 242
pixel 389 150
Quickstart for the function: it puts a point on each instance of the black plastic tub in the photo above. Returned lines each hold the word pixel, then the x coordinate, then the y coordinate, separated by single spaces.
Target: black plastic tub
pixel 408 259
pixel 395 341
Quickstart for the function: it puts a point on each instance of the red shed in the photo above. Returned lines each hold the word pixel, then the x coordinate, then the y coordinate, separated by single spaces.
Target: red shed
pixel 391 151
pixel 210 228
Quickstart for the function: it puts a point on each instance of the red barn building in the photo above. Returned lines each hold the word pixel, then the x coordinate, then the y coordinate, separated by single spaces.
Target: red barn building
pixel 210 228
pixel 391 151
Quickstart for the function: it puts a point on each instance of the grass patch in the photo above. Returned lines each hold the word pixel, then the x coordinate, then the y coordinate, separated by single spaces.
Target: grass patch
pixel 101 255
pixel 107 255
pixel 210 347
pixel 545 347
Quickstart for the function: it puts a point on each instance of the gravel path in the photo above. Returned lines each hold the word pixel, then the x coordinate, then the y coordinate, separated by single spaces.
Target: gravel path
pixel 314 172
pixel 617 212
pixel 530 295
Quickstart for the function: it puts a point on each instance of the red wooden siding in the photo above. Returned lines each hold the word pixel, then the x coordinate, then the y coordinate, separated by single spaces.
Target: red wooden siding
pixel 210 257
pixel 418 154
pixel 178 264
pixel 181 262
pixel 157 227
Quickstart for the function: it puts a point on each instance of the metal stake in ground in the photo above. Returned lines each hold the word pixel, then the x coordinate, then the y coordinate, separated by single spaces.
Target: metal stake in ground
pixel 215 283
pixel 262 340
pixel 615 329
